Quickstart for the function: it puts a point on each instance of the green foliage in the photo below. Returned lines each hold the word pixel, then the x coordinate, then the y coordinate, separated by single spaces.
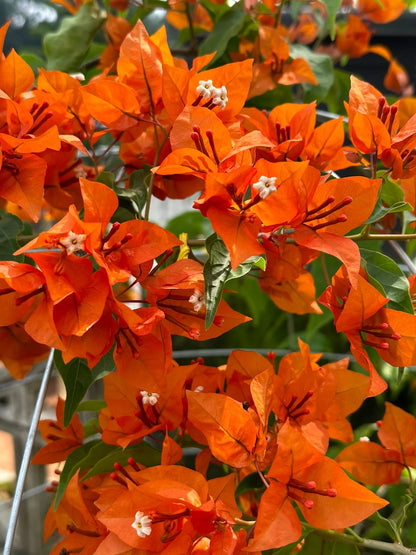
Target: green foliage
pixel 78 378
pixel 66 49
pixel 388 278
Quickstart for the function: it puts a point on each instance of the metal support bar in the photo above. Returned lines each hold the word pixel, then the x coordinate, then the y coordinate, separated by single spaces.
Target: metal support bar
pixel 14 514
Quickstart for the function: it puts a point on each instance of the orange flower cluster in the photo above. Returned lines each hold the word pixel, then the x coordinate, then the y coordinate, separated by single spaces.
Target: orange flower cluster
pixel 92 285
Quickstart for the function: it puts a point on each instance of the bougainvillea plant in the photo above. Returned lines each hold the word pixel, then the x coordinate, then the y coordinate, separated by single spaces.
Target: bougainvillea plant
pixel 227 110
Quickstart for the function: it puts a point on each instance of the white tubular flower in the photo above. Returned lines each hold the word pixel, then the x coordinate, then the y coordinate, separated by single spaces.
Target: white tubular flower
pixel 219 97
pixel 142 524
pixel 149 398
pixel 364 439
pixel 265 186
pixel 199 389
pixel 197 300
pixel 73 242
pixel 205 88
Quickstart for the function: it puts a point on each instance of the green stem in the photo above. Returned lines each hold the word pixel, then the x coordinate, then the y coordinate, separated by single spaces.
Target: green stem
pixel 362 543
pixel 383 237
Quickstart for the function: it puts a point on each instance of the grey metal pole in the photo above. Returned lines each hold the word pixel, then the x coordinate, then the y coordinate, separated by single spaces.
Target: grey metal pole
pixel 14 514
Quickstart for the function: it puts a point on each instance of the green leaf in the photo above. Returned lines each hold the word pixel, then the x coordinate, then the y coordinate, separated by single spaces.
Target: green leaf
pixel 324 545
pixel 66 49
pixel 132 199
pixel 139 184
pixel 282 94
pixel 91 405
pixel 391 193
pixel 193 223
pixel 332 7
pixel 338 92
pixel 322 67
pixel 385 273
pixel 228 26
pixel 10 227
pixel 77 378
pixel 380 210
pixel 246 266
pixel 216 271
pixel 33 60
pixel 72 464
pixel 104 462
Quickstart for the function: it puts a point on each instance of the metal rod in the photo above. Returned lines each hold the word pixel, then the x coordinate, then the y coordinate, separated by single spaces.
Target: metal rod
pixel 14 513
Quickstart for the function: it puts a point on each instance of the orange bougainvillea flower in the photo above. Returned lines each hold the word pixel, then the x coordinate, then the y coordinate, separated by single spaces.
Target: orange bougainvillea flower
pixel 126 249
pixel 290 286
pixel 374 128
pixel 75 518
pixel 326 497
pixel 178 291
pixel 277 67
pixel 353 37
pixel 233 435
pixel 359 312
pixel 373 464
pixel 384 12
pixel 61 441
pixel 307 393
pixel 170 507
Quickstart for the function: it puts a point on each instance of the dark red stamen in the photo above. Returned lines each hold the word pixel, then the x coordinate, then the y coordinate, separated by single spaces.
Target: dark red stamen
pixel 167 254
pixel 123 471
pixel 118 244
pixel 34 107
pixel 340 219
pixel 198 100
pixel 133 464
pixel 115 227
pixel 305 398
pixel 315 215
pixel 6 290
pixel 381 103
pixel 45 118
pixel 384 345
pixel 89 533
pixel 114 476
pixel 323 205
pixel 52 437
pixel 393 112
pixel 210 136
pixel 38 109
pixel 384 114
pixel 21 300
pixel 201 146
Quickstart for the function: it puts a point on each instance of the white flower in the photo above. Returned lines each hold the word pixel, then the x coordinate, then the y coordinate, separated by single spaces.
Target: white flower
pixel 197 300
pixel 364 439
pixel 149 398
pixel 73 242
pixel 219 97
pixel 142 524
pixel 265 186
pixel 199 389
pixel 205 88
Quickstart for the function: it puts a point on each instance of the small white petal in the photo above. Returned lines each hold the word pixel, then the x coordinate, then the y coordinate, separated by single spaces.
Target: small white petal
pixel 265 186
pixel 73 242
pixel 142 524
pixel 197 300
pixel 149 398
pixel 205 88
pixel 219 97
